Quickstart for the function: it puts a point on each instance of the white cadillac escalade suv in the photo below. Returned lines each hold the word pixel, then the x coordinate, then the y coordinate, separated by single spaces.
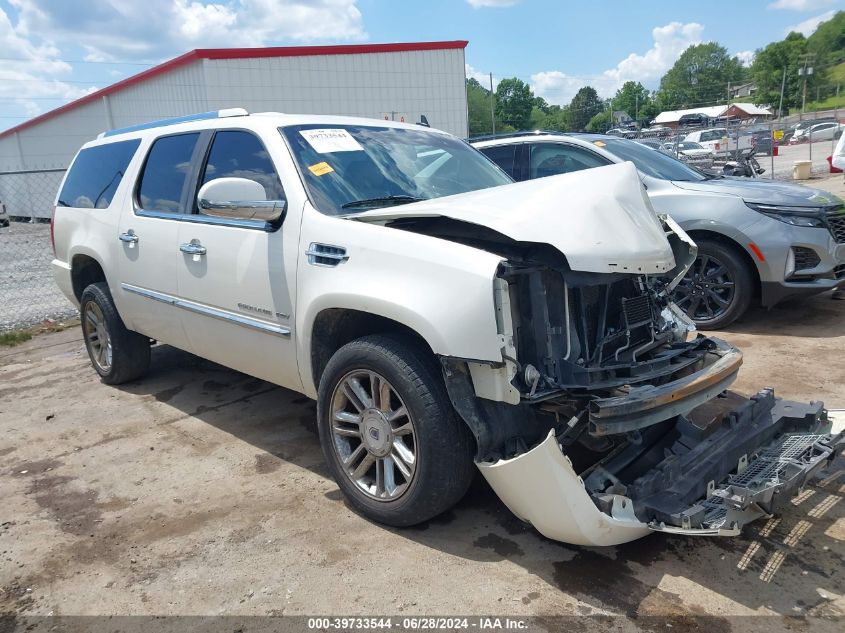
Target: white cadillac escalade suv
pixel 442 316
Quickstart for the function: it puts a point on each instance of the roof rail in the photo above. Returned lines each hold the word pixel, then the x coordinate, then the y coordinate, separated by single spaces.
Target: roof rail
pixel 492 137
pixel 214 114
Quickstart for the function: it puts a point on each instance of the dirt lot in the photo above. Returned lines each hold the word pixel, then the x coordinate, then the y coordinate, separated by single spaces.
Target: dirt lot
pixel 202 491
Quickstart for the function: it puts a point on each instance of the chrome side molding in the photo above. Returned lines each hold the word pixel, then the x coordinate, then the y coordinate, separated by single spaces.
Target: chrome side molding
pixel 216 313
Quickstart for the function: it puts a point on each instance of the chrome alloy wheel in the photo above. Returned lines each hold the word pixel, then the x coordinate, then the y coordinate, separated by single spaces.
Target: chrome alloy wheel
pixel 373 435
pixel 707 290
pixel 97 337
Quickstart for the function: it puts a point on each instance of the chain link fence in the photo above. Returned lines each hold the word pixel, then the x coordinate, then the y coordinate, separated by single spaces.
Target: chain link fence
pixel 28 294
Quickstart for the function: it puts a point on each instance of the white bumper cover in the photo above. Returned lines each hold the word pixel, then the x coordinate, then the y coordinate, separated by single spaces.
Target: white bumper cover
pixel 541 487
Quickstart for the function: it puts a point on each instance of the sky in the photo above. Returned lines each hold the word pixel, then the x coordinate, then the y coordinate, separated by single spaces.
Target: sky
pixel 54 51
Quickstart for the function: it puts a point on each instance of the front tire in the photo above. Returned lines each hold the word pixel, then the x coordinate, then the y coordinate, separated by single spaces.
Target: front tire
pixel 393 442
pixel 117 354
pixel 717 288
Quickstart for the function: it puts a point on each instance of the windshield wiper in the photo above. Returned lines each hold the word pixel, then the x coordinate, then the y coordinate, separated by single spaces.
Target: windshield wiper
pixel 385 201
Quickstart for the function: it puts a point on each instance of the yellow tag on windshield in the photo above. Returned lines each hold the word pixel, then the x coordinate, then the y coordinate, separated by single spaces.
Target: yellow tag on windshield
pixel 321 169
pixel 599 143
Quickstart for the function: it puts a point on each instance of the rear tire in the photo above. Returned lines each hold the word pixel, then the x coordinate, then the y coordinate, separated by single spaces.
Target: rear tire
pixel 117 354
pixel 718 287
pixel 395 468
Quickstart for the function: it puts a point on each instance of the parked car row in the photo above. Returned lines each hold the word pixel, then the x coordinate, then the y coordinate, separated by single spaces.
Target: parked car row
pixel 813 132
pixel 445 317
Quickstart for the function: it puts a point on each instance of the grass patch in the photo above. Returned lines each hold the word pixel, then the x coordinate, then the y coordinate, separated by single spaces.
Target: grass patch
pixel 16 337
pixel 10 339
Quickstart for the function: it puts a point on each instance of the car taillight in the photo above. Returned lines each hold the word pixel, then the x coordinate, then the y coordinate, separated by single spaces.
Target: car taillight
pixel 53 230
pixel 717 147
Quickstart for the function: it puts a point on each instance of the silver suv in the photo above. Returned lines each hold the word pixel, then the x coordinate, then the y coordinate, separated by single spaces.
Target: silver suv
pixel 757 240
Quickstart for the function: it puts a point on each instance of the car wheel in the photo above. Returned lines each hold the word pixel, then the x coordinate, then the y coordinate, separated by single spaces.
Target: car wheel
pixel 389 434
pixel 717 288
pixel 117 354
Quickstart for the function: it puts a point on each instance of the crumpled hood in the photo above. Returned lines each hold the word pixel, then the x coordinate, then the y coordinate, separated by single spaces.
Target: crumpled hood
pixel 765 191
pixel 600 219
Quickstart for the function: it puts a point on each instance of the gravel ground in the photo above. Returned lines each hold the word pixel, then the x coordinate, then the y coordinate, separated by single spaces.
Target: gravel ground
pixel 28 294
pixel 788 154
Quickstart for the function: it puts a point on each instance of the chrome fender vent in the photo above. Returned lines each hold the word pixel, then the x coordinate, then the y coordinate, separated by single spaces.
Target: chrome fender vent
pixel 326 254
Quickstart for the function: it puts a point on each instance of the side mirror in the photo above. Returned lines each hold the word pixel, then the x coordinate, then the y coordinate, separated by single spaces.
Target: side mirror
pixel 238 199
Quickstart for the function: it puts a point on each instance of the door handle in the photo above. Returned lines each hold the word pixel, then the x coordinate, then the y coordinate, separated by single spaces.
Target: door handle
pixel 193 248
pixel 129 237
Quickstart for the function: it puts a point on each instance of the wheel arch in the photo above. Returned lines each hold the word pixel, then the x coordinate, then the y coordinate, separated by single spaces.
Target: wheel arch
pixel 729 242
pixel 84 271
pixel 332 328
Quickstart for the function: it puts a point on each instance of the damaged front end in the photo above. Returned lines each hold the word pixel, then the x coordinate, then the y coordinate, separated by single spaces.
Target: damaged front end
pixel 607 416
pixel 622 424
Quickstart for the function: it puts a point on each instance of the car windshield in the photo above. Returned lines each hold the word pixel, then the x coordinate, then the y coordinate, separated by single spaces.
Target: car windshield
pixel 651 163
pixel 351 168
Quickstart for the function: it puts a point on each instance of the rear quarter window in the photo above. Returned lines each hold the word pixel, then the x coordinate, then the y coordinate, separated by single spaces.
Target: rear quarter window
pixel 96 174
pixel 165 176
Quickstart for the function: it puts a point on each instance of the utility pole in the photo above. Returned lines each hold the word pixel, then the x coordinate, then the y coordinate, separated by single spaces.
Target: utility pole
pixel 805 71
pixel 636 108
pixel 492 105
pixel 782 86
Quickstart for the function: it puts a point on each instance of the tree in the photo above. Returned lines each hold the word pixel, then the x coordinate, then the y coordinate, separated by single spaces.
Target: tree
pixel 541 104
pixel 701 76
pixel 583 107
pixel 601 122
pixel 478 109
pixel 632 97
pixel 827 42
pixel 768 68
pixel 514 101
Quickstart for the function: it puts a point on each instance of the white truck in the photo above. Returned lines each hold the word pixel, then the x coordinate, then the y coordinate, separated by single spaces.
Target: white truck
pixel 443 317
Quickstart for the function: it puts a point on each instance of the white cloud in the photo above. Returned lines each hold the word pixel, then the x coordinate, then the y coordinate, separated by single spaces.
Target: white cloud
pixel 745 57
pixel 799 5
pixel 808 26
pixel 481 77
pixel 478 4
pixel 156 29
pixel 30 73
pixel 669 41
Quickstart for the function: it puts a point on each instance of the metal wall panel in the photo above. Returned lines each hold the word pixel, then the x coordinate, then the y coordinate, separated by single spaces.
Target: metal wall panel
pixel 408 83
pixel 369 85
pixel 176 93
pixel 53 143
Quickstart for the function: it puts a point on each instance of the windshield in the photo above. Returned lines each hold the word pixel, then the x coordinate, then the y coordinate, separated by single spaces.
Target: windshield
pixel 351 168
pixel 649 162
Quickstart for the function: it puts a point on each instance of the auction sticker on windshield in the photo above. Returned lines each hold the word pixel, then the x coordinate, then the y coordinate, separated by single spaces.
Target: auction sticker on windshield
pixel 320 169
pixel 331 140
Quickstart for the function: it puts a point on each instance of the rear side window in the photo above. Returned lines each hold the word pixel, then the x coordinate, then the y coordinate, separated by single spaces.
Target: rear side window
pixel 95 175
pixel 239 154
pixel 550 159
pixel 504 156
pixel 166 172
